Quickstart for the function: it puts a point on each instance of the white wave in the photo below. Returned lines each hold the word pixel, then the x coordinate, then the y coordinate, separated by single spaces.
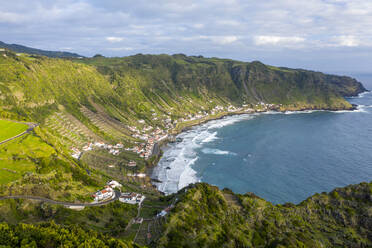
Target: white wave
pixel 210 138
pixel 226 121
pixel 217 152
pixel 268 113
pixel 204 137
pixel 174 168
pixel 301 112
pixel 359 109
pixel 188 176
pixel 361 95
pixel 364 106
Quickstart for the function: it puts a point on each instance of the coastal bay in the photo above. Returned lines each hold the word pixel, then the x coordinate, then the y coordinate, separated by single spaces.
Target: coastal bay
pixel 282 157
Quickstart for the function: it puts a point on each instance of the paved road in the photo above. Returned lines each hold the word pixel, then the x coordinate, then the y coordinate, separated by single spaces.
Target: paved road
pixel 66 204
pixel 31 127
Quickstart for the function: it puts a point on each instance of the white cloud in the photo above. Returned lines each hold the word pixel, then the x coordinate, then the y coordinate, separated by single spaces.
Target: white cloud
pixel 114 39
pixel 198 25
pixel 225 39
pixel 220 40
pixel 248 29
pixel 346 40
pixel 120 48
pixel 8 17
pixel 277 40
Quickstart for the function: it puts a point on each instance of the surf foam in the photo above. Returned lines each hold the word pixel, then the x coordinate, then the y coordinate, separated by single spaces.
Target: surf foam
pixel 217 152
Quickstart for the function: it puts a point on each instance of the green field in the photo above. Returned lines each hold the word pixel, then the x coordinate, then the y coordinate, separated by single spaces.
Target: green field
pixel 16 157
pixel 9 129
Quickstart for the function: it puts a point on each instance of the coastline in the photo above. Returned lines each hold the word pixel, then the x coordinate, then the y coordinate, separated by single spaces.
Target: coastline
pixel 189 126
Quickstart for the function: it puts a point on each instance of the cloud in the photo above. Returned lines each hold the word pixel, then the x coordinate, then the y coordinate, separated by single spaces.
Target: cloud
pixel 277 40
pixel 248 30
pixel 346 40
pixel 120 48
pixel 114 39
pixel 221 40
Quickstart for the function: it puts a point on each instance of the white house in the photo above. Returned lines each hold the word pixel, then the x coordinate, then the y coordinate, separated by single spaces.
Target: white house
pixel 132 198
pixel 164 212
pixel 114 184
pixel 119 146
pixel 132 163
pixel 103 194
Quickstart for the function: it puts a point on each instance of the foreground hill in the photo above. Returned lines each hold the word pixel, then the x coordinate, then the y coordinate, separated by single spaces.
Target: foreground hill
pixel 209 217
pixel 24 49
pixel 204 216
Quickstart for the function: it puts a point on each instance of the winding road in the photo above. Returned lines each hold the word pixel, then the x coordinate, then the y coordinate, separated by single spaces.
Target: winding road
pixel 31 127
pixel 66 204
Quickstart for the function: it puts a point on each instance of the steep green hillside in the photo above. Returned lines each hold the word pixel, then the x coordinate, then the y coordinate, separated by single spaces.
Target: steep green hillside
pixel 129 88
pixel 209 217
pixel 170 77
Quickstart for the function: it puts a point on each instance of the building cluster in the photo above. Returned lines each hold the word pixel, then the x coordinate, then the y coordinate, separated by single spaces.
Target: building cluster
pixel 145 149
pixel 112 149
pixel 132 198
pixel 107 192
pixel 268 106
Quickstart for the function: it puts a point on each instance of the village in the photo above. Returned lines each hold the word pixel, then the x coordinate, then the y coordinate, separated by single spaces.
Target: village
pixel 112 149
pixel 154 135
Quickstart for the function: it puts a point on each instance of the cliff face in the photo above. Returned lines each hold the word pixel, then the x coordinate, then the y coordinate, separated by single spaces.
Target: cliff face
pixel 208 217
pixel 34 86
pixel 233 81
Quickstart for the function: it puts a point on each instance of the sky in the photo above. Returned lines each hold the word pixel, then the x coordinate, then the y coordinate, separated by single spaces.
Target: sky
pixel 324 35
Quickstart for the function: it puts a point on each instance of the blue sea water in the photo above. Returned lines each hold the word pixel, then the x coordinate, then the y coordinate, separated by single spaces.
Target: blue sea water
pixel 279 157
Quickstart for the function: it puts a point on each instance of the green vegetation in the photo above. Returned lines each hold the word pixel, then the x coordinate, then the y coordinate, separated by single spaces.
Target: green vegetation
pixel 209 217
pixel 10 129
pixel 52 235
pixel 15 157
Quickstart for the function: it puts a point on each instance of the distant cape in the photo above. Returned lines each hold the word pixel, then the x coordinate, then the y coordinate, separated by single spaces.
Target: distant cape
pixel 24 49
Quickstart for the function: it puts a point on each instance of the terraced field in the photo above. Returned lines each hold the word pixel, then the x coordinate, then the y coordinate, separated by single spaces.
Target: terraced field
pixel 114 129
pixel 10 129
pixel 70 130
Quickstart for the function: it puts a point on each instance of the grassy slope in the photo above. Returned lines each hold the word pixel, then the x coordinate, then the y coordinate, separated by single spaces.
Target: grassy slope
pixel 208 217
pixel 30 166
pixel 9 129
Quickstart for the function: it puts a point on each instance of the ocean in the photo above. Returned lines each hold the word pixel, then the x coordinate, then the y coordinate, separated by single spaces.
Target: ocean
pixel 281 157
